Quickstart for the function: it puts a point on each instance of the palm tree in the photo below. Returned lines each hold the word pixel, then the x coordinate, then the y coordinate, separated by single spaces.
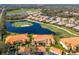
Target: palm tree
pixel 47 49
pixel 12 48
pixel 30 36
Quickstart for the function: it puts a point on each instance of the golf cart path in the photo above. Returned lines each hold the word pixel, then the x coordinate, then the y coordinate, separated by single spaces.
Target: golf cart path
pixel 58 28
pixel 64 30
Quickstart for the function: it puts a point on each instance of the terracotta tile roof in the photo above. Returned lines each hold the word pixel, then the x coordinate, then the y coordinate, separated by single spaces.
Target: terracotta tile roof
pixel 22 49
pixel 42 37
pixel 56 50
pixel 40 49
pixel 70 42
pixel 13 38
pixel 76 53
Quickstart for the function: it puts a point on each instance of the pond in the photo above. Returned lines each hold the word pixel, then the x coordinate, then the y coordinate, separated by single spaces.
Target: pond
pixel 35 28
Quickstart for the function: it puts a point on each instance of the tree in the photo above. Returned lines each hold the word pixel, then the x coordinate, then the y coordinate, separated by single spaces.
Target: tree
pixel 30 36
pixel 2 47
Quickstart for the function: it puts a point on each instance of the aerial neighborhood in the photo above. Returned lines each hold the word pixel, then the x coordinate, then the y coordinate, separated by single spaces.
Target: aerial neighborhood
pixel 39 31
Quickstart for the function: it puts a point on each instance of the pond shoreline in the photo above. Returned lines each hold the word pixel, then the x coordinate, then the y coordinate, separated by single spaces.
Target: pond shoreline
pixel 34 29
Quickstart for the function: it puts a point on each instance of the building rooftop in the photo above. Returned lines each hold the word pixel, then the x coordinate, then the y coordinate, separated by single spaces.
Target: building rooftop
pixel 14 38
pixel 69 42
pixel 70 25
pixel 76 53
pixel 76 27
pixel 56 50
pixel 40 49
pixel 42 37
pixel 23 49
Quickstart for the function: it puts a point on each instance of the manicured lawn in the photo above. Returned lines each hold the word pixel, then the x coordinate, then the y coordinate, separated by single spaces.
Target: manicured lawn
pixel 22 10
pixel 57 44
pixel 57 37
pixel 16 11
pixel 19 24
pixel 71 29
pixel 61 33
